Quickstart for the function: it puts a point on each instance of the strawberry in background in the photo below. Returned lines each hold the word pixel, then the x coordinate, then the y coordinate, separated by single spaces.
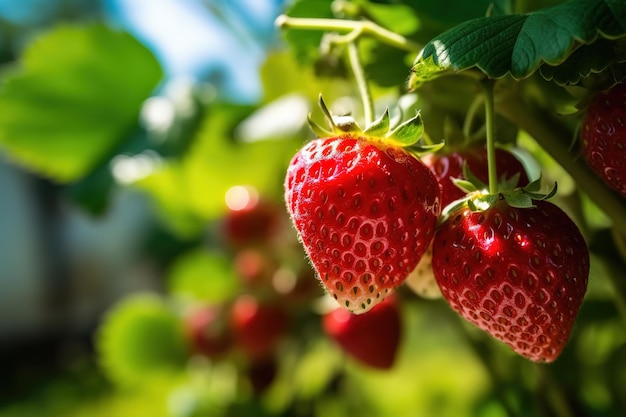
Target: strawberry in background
pixel 371 338
pixel 207 330
pixel 257 327
pixel 604 137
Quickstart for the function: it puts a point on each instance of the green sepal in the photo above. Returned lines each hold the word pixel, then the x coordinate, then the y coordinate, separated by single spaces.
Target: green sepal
pixel 534 186
pixel 338 124
pixel 408 132
pixel 379 127
pixel 509 183
pixel 541 196
pixel 465 185
pixel 482 202
pixel 317 129
pixel 421 148
pixel 451 208
pixel 346 124
pixel 518 199
pixel 471 177
pixel 327 114
pixel 523 197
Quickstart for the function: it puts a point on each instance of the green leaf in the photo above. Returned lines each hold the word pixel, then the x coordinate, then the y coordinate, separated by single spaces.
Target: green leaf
pixel 305 43
pixel 518 44
pixel 203 276
pixel 75 97
pixel 586 60
pixel 400 18
pixel 192 190
pixel 141 337
pixel 384 65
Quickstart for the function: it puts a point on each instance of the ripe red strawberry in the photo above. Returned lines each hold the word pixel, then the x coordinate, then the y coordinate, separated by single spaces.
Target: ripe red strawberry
pixel 372 338
pixel 207 331
pixel 365 212
pixel 604 137
pixel 250 222
pixel 519 274
pixel 450 165
pixel 257 327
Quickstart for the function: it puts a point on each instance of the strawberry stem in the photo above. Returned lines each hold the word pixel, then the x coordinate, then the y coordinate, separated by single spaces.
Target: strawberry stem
pixel 362 27
pixel 491 140
pixel 361 82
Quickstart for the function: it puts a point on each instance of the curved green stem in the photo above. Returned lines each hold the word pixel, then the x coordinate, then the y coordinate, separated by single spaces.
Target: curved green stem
pixel 365 27
pixel 361 82
pixel 491 140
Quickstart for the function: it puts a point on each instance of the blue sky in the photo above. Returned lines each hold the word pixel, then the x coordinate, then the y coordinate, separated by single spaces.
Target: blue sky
pixel 222 40
pixel 190 40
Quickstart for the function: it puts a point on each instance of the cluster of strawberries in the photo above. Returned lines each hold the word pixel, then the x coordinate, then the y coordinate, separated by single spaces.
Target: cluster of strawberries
pixel 278 288
pixel 371 216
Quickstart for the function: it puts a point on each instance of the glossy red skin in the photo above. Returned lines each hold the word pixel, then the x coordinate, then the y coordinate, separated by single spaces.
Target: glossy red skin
pixel 365 214
pixel 257 328
pixel 371 338
pixel 604 137
pixel 518 274
pixel 448 166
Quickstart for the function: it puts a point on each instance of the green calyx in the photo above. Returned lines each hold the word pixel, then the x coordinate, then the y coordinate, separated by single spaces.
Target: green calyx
pixel 479 198
pixel 408 134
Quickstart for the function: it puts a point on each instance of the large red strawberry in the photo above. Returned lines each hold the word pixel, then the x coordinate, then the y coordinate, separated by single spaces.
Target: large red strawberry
pixel 447 166
pixel 372 338
pixel 604 137
pixel 520 274
pixel 365 210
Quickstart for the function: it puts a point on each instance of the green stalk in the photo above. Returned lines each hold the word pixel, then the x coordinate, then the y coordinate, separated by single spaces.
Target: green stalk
pixel 554 392
pixel 491 140
pixel 365 27
pixel 361 82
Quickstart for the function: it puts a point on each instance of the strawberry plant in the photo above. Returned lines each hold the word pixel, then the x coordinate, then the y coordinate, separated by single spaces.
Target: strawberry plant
pixel 397 248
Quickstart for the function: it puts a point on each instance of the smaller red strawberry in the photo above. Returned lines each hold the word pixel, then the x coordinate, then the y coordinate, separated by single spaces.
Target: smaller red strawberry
pixel 604 137
pixel 250 220
pixel 254 267
pixel 257 327
pixel 447 166
pixel 520 274
pixel 371 338
pixel 207 331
